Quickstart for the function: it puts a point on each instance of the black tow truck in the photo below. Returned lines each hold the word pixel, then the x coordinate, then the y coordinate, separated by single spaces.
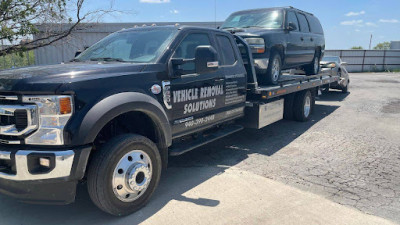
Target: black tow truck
pixel 114 115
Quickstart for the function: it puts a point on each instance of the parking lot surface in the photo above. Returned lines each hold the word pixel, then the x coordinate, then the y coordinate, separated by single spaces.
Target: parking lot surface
pixel 335 169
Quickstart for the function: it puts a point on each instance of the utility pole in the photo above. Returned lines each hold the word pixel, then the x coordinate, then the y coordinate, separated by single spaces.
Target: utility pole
pixel 370 41
pixel 215 13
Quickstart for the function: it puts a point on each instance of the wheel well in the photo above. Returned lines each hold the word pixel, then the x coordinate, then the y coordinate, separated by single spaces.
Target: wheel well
pixel 130 122
pixel 318 51
pixel 281 50
pixel 134 122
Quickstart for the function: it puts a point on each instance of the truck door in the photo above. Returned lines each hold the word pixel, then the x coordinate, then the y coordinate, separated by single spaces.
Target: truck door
pixel 295 40
pixel 235 76
pixel 307 40
pixel 195 99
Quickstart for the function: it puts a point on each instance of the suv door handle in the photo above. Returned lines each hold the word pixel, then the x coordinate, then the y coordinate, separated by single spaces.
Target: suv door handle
pixel 302 39
pixel 311 39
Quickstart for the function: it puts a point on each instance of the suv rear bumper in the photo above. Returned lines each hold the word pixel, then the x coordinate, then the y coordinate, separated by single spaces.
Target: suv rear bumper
pixel 22 177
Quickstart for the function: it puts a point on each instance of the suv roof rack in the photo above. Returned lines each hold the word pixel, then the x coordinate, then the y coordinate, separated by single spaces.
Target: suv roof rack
pixel 291 7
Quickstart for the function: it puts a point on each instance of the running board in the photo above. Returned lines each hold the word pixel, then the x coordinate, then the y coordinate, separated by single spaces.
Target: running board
pixel 182 148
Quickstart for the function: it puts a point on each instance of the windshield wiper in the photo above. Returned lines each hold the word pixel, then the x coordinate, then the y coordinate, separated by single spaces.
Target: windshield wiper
pixel 108 59
pixel 253 26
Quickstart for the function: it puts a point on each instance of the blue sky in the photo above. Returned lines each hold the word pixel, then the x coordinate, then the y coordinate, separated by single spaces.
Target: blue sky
pixel 346 23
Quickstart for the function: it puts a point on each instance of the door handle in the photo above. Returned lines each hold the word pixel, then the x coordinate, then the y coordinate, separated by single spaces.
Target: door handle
pixel 311 39
pixel 302 39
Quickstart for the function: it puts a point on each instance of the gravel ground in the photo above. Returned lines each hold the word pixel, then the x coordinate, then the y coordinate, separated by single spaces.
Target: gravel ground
pixel 349 152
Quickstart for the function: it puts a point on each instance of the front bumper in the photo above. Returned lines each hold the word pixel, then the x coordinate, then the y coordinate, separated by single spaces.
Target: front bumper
pixel 261 64
pixel 20 178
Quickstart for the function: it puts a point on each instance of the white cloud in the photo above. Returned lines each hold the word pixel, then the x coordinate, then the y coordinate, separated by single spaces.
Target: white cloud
pixel 352 22
pixel 370 24
pixel 154 1
pixel 174 11
pixel 355 13
pixel 389 21
pixel 357 30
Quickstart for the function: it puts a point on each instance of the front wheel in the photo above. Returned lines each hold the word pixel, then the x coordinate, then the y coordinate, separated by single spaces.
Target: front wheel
pixel 123 174
pixel 274 70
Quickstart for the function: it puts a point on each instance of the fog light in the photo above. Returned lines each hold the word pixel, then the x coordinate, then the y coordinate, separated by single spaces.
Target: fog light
pixel 44 162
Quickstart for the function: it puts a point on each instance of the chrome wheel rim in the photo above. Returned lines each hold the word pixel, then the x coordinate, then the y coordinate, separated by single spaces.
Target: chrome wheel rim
pixel 307 106
pixel 132 176
pixel 316 65
pixel 275 69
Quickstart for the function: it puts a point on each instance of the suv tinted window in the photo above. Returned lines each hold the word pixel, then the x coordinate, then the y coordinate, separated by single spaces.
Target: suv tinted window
pixel 228 54
pixel 291 18
pixel 315 25
pixel 187 48
pixel 303 23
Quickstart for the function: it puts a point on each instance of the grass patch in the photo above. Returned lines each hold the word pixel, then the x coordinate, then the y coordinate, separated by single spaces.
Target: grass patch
pixel 17 60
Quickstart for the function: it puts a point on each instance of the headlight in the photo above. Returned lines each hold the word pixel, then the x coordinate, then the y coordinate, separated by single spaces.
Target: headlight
pixel 257 45
pixel 54 113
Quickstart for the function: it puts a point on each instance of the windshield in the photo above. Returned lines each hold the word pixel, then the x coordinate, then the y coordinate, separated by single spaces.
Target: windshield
pixel 133 46
pixel 331 59
pixel 272 19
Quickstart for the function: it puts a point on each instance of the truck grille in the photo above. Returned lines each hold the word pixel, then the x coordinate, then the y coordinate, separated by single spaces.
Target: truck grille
pixel 16 119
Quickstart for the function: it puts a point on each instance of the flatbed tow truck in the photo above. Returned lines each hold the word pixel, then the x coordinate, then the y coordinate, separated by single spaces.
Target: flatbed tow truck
pixel 112 118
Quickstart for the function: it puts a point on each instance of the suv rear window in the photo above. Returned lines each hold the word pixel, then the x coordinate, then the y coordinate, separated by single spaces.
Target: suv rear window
pixel 228 54
pixel 315 25
pixel 303 23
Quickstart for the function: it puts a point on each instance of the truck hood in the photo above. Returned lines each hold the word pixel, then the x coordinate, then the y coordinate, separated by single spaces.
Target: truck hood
pixel 249 32
pixel 48 78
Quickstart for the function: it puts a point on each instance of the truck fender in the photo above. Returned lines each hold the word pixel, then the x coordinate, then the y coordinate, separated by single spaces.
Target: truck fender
pixel 111 107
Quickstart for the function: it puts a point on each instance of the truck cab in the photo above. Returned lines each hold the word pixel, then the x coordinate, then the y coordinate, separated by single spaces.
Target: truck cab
pixel 148 86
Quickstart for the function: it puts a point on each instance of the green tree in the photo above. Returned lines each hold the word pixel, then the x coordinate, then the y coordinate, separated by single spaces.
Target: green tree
pixel 20 19
pixel 357 48
pixel 382 46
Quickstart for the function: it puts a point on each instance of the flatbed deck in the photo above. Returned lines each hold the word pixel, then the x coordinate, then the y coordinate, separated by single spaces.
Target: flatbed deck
pixel 293 83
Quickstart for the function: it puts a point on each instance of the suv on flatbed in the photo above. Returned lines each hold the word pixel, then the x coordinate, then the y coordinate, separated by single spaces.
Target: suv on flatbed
pixel 280 38
pixel 114 115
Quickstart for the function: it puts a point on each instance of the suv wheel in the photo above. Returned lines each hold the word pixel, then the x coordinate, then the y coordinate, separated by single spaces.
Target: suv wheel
pixel 123 174
pixel 274 70
pixel 313 68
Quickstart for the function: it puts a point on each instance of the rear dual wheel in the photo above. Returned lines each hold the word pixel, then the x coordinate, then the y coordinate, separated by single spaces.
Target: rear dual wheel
pixel 123 174
pixel 299 106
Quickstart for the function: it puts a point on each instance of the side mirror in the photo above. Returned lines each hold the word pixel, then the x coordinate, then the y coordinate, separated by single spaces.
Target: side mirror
pixel 77 53
pixel 206 59
pixel 80 51
pixel 291 26
pixel 344 64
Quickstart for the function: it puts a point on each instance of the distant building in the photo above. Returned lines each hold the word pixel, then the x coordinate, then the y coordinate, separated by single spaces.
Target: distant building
pixel 395 45
pixel 65 49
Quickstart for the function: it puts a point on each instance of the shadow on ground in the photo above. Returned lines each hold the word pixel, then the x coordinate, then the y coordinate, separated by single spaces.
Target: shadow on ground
pixel 176 180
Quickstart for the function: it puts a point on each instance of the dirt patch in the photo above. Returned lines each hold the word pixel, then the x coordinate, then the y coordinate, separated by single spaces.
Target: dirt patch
pixel 393 106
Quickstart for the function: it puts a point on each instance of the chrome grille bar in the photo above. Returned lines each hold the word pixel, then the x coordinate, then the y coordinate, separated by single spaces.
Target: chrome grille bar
pixel 32 119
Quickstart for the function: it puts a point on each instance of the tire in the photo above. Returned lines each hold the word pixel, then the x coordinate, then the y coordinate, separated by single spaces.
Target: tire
pixel 303 106
pixel 140 160
pixel 345 89
pixel 274 70
pixel 326 89
pixel 314 67
pixel 288 107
